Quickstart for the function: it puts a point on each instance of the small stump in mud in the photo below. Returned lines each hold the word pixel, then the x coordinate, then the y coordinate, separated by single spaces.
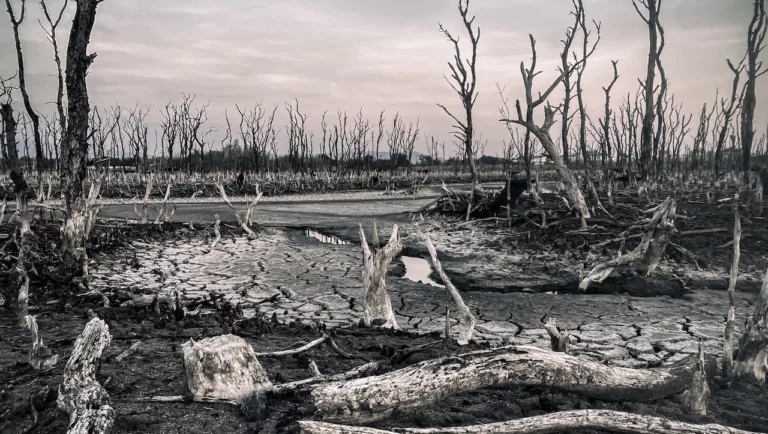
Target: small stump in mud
pixel 223 367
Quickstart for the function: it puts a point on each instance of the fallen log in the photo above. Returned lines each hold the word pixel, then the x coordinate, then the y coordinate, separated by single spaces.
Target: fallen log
pixel 373 398
pixel 80 395
pixel 615 421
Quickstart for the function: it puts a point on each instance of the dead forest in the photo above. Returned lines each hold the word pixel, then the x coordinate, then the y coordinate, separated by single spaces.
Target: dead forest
pixel 344 272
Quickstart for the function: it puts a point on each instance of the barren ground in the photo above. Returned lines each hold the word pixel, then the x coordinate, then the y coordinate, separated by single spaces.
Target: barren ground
pixel 304 273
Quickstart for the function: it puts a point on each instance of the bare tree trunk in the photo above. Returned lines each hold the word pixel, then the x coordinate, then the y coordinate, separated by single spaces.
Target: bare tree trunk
pixel 33 116
pixel 376 303
pixel 20 186
pixel 755 38
pixel 646 135
pixel 75 141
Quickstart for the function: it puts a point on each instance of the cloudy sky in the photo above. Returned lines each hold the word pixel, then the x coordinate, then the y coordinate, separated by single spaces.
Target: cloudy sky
pixel 371 54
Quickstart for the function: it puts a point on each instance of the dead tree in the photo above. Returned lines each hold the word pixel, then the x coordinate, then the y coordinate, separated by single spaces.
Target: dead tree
pixel 586 52
pixel 374 398
pixel 646 136
pixel 464 75
pixel 577 201
pixel 377 307
pixel 75 144
pixel 755 37
pixel 51 32
pixel 467 320
pixel 729 324
pixel 646 256
pixel 33 116
pixel 568 86
pixel 734 103
pixel 80 394
pixel 605 123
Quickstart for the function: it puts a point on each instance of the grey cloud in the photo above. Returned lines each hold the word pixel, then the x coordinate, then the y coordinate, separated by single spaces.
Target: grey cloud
pixel 379 55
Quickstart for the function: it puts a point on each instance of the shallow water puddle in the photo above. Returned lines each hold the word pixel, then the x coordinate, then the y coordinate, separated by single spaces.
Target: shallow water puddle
pixel 418 270
pixel 327 239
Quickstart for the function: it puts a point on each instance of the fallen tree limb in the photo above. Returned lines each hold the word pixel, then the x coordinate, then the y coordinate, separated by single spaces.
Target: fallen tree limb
pixel 80 395
pixel 301 349
pixel 466 319
pixel 373 398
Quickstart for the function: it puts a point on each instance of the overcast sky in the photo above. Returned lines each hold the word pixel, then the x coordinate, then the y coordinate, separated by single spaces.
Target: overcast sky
pixel 372 54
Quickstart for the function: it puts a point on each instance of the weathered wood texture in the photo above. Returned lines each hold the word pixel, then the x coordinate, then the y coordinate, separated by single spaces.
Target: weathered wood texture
pixel 80 394
pixel 223 367
pixel 466 319
pixel 373 398
pixel 377 306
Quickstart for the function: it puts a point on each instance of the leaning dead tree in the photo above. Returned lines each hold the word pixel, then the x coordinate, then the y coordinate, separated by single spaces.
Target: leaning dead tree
pixel 74 149
pixel 645 257
pixel 377 307
pixel 575 197
pixel 80 394
pixel 466 320
pixel 755 38
pixel 464 75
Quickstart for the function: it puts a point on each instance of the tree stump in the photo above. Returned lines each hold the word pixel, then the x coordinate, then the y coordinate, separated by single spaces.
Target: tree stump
pixel 223 367
pixel 80 395
pixel 377 307
pixel 752 358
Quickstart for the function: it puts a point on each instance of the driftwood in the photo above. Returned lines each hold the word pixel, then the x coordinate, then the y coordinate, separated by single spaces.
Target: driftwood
pixel 80 395
pixel 223 367
pixel 377 307
pixel 144 203
pixel 164 206
pixel 615 421
pixel 216 231
pixel 372 398
pixel 646 256
pixel 129 352
pixel 301 349
pixel 466 319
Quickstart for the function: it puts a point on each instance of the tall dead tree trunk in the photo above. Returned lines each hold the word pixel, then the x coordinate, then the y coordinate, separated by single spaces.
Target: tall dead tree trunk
pixel 464 75
pixel 752 358
pixel 728 111
pixel 755 37
pixel 606 121
pixel 33 116
pixel 377 307
pixel 646 136
pixel 75 141
pixel 11 154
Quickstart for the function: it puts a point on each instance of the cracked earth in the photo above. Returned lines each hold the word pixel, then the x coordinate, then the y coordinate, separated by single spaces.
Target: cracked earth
pixel 292 277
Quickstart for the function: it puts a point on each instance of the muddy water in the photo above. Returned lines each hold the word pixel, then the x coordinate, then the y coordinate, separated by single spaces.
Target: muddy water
pixel 418 270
